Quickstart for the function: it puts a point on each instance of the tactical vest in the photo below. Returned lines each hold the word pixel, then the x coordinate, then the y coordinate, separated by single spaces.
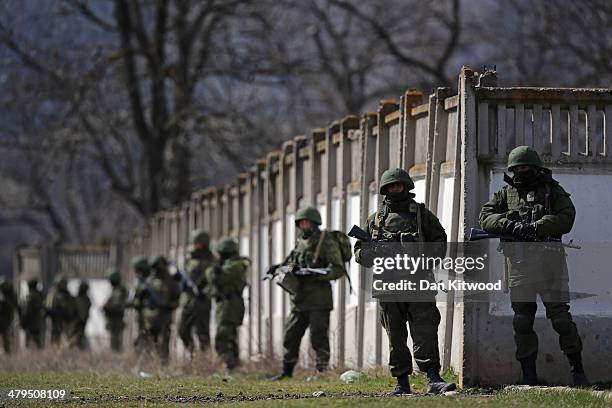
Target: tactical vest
pixel 533 206
pixel 403 221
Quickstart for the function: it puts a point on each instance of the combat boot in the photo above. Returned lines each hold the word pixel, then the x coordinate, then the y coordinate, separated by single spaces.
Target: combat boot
pixel 286 373
pixel 436 384
pixel 403 385
pixel 528 366
pixel 579 378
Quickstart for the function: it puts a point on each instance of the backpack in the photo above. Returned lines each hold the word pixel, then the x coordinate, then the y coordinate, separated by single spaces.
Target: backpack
pixel 346 249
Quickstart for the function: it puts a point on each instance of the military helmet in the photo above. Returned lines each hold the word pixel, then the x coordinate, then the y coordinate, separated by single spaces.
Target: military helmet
pixel 32 283
pixel 113 275
pixel 157 260
pixel 5 284
pixel 140 263
pixel 199 237
pixel 227 247
pixel 60 282
pixel 308 213
pixel 83 286
pixel 523 156
pixel 397 175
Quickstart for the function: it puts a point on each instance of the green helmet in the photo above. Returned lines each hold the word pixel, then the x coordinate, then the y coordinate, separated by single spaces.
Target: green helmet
pixel 158 261
pixel 523 156
pixel 32 283
pixel 397 175
pixel 83 286
pixel 60 282
pixel 199 237
pixel 113 275
pixel 227 247
pixel 308 213
pixel 140 263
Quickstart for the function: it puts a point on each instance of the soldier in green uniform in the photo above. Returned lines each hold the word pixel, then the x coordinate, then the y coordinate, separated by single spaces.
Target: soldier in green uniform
pixel 61 307
pixel 534 206
pixel 160 298
pixel 83 304
pixel 141 270
pixel 227 281
pixel 311 302
pixel 33 315
pixel 195 299
pixel 114 309
pixel 402 219
pixel 8 308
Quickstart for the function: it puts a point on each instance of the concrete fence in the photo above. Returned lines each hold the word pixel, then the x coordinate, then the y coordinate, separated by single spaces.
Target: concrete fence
pixel 454 146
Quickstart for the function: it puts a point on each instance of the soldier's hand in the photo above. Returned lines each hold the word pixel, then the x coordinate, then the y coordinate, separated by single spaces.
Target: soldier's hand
pixel 524 230
pixel 293 268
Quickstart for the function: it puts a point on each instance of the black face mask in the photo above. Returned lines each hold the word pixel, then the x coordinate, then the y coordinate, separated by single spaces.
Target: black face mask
pixel 395 197
pixel 525 179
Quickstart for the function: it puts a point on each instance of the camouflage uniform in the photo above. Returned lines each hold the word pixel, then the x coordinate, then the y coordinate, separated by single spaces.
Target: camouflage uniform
pixel 114 309
pixel 535 206
pixel 160 298
pixel 61 307
pixel 33 315
pixel 8 307
pixel 398 221
pixel 227 282
pixel 196 307
pixel 83 304
pixel 142 271
pixel 312 301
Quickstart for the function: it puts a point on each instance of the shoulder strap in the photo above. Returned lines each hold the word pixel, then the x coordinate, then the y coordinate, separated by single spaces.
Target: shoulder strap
pixel 419 223
pixel 379 220
pixel 547 190
pixel 318 248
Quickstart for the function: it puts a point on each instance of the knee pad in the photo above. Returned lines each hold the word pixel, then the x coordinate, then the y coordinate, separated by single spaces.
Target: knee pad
pixel 523 323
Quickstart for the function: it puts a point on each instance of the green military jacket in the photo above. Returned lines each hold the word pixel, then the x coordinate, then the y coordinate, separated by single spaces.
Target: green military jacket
pixel 401 218
pixel 227 282
pixel 8 307
pixel 32 312
pixel 510 204
pixel 83 303
pixel 160 295
pixel 315 292
pixel 196 269
pixel 114 308
pixel 61 306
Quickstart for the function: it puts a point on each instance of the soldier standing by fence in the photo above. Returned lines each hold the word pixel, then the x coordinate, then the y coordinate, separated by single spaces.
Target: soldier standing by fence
pixel 61 308
pixel 8 309
pixel 32 315
pixel 114 309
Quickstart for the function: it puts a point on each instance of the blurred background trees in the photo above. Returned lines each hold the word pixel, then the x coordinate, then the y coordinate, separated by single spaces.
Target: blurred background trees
pixel 114 109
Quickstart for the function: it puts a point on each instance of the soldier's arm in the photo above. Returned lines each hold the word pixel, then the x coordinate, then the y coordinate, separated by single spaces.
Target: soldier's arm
pixel 494 214
pixel 333 258
pixel 561 219
pixel 433 231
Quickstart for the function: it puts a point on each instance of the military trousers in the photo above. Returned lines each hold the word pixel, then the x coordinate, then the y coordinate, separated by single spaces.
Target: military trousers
pixel 226 344
pixel 524 306
pixel 423 319
pixel 195 316
pixel 115 329
pixel 295 327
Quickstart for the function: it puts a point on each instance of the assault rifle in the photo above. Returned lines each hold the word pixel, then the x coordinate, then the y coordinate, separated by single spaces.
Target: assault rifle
pixel 187 281
pixel 478 234
pixel 359 234
pixel 283 268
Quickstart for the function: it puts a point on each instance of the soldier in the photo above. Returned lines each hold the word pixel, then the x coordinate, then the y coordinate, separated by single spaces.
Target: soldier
pixel 8 307
pixel 312 301
pixel 227 282
pixel 160 298
pixel 33 315
pixel 195 300
pixel 142 271
pixel 114 309
pixel 534 206
pixel 83 304
pixel 402 219
pixel 61 308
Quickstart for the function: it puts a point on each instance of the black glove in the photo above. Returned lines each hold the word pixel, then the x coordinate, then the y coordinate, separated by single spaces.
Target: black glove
pixel 524 230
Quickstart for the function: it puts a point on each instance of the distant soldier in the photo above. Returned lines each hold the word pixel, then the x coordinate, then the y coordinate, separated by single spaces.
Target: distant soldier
pixel 142 271
pixel 83 304
pixel 195 299
pixel 8 308
pixel 228 280
pixel 61 307
pixel 533 206
pixel 33 315
pixel 312 301
pixel 401 219
pixel 114 309
pixel 160 298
